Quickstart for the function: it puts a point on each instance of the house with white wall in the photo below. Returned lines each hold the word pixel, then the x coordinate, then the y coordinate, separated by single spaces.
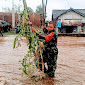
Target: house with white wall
pixel 71 19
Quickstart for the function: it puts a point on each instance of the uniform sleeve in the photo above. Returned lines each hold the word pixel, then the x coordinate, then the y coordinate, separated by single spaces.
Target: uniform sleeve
pixel 48 37
pixel 40 36
pixel 45 31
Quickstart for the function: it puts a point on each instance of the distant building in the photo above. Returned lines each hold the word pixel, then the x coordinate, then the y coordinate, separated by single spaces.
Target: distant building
pixel 36 18
pixel 8 17
pixel 73 20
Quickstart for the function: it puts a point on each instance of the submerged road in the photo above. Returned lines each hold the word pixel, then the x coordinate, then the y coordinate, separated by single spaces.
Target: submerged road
pixel 70 65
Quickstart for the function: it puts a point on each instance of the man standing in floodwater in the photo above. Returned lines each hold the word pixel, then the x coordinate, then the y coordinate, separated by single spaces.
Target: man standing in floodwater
pixel 50 51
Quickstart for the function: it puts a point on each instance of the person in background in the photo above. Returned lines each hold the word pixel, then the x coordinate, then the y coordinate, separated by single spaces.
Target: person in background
pixel 59 26
pixel 74 30
pixel 1 30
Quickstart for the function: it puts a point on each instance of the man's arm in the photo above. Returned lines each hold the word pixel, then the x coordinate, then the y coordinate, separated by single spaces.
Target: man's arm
pixel 40 36
pixel 47 37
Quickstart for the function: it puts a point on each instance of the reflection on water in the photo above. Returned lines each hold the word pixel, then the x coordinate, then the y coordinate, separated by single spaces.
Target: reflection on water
pixel 70 65
pixel 45 81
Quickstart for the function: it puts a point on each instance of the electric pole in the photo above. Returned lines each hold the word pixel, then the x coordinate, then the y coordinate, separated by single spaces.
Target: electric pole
pixel 19 12
pixel 13 15
pixel 43 12
pixel 2 14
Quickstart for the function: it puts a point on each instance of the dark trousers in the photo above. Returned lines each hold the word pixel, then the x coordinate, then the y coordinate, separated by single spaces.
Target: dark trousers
pixel 59 29
pixel 50 59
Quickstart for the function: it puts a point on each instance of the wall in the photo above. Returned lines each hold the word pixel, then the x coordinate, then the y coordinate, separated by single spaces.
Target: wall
pixel 75 18
pixel 72 15
pixel 34 17
pixel 8 18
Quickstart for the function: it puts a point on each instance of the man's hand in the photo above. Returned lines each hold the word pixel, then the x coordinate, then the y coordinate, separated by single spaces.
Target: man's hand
pixel 43 27
pixel 33 29
pixel 28 23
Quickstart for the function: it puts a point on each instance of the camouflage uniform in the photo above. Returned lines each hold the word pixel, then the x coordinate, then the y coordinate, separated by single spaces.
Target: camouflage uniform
pixel 50 52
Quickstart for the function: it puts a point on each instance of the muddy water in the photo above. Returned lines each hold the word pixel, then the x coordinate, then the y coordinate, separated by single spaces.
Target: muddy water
pixel 70 65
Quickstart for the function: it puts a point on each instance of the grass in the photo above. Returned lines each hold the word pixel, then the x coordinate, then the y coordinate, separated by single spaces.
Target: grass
pixel 9 33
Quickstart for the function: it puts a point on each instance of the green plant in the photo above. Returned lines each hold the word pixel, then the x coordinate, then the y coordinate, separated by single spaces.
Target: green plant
pixel 33 42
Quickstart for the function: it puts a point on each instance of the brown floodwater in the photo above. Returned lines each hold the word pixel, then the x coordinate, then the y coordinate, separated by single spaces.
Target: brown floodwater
pixel 70 64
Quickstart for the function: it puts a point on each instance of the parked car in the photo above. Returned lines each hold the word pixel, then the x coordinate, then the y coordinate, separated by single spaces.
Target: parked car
pixel 5 25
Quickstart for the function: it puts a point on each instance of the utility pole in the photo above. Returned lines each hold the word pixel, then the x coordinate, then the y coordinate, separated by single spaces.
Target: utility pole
pixel 43 12
pixel 2 14
pixel 45 8
pixel 13 15
pixel 19 12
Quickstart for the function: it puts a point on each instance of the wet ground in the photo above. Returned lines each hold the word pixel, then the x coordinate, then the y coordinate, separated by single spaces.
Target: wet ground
pixel 70 65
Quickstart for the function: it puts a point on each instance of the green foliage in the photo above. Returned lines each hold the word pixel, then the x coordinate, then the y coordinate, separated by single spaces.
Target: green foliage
pixel 7 9
pixel 29 60
pixel 33 43
pixel 17 8
pixel 39 9
pixel 9 33
pixel 30 10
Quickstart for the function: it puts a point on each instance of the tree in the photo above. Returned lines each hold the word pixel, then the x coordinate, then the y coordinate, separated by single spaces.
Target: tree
pixel 17 8
pixel 30 10
pixel 33 43
pixel 7 9
pixel 39 9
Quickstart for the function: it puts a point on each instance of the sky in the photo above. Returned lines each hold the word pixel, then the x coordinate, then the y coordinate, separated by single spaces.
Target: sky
pixel 51 5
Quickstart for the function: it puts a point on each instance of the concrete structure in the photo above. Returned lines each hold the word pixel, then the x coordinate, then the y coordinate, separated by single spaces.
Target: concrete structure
pixel 73 20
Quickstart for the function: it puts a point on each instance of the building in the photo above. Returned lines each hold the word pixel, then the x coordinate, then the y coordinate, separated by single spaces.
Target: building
pixel 8 17
pixel 73 20
pixel 36 18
